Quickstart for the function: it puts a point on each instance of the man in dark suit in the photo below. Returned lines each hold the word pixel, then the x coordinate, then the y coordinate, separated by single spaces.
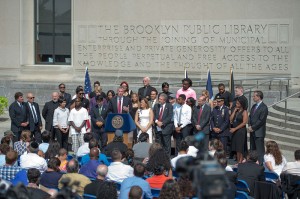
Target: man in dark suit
pixel 251 171
pixel 34 115
pixel 98 116
pixel 64 95
pixel 257 125
pixel 48 112
pixel 201 118
pixel 18 116
pixel 145 92
pixel 219 122
pixel 163 114
pixel 120 103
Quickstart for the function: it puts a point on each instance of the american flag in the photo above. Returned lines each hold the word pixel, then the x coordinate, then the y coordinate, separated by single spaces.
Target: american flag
pixel 87 91
pixel 87 84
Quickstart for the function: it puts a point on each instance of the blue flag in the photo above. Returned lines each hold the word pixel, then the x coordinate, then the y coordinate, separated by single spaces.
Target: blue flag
pixel 209 85
pixel 87 83
pixel 231 87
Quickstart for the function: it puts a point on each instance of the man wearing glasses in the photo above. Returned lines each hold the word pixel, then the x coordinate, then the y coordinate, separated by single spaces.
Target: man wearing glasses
pixel 48 112
pixel 85 103
pixel 34 115
pixel 64 95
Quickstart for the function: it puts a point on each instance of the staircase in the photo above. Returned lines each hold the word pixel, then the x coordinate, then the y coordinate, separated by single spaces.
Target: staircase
pixel 286 135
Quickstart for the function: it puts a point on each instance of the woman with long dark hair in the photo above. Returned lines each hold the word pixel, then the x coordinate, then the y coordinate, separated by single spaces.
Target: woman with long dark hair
pixel 109 95
pixel 274 160
pixel 238 120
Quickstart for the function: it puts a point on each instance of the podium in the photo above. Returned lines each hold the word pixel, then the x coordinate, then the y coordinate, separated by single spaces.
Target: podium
pixel 122 122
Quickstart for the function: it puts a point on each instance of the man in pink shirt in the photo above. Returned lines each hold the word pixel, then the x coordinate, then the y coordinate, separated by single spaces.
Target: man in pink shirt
pixel 186 90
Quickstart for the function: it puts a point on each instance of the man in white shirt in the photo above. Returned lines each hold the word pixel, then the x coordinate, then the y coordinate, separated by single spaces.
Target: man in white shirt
pixel 182 120
pixel 293 167
pixel 84 149
pixel 117 171
pixel 183 149
pixel 32 160
pixel 77 118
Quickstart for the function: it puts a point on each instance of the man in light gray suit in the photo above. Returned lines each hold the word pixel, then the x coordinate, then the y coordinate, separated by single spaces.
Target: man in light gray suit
pixel 201 118
pixel 257 125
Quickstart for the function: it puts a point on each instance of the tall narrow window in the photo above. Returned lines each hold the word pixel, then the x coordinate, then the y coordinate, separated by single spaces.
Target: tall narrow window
pixel 53 32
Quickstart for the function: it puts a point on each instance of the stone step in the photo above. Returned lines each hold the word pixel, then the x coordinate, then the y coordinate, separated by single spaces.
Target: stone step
pixel 281 115
pixel 282 130
pixel 290 111
pixel 283 137
pixel 280 122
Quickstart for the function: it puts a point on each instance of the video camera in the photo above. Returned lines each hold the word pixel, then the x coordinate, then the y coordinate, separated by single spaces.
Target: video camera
pixel 207 175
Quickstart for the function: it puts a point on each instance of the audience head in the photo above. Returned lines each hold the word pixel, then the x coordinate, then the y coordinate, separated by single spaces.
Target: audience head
pixel 11 157
pixel 33 147
pixel 53 149
pixel 87 137
pixel 273 149
pixel 153 94
pixel 241 103
pixel 33 175
pixel 54 164
pixel 191 102
pixel 107 190
pixel 116 155
pixel 169 190
pixel 144 103
pixel 220 153
pixel 62 87
pixel 46 136
pixel 252 156
pixel 181 99
pixel 93 143
pixel 110 94
pixel 297 155
pixel 221 88
pixel 9 134
pixel 205 93
pixel 62 153
pixel 55 96
pixel 162 98
pixel 159 169
pixel 102 171
pixel 215 144
pixel 186 187
pixel 153 148
pixel 183 147
pixel 135 193
pixel 257 96
pixel 223 162
pixel 62 102
pixel 146 81
pixel 135 98
pixel 94 153
pixel 186 83
pixel 129 155
pixel 19 97
pixel 159 157
pixel 25 136
pixel 165 87
pixel 144 137
pixel 239 90
pixel 125 85
pixel 201 100
pixel 4 148
pixel 139 170
pixel 72 166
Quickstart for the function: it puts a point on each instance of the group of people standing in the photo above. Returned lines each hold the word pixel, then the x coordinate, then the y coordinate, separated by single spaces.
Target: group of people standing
pixel 160 115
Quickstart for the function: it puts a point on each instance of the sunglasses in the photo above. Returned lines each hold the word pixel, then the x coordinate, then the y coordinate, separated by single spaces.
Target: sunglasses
pixel 31 97
pixel 62 87
pixel 81 93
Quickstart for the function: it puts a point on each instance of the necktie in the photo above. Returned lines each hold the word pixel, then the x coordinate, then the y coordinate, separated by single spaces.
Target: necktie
pixel 119 106
pixel 199 116
pixel 161 113
pixel 254 110
pixel 180 112
pixel 34 114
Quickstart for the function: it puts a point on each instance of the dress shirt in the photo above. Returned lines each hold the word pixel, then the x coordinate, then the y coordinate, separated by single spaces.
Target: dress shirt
pixel 135 181
pixel 32 160
pixel 174 160
pixel 188 93
pixel 89 169
pixel 44 147
pixel 78 116
pixel 8 172
pixel 2 160
pixel 60 117
pixel 83 149
pixel 117 171
pixel 102 159
pixel 292 168
pixel 276 168
pixel 186 115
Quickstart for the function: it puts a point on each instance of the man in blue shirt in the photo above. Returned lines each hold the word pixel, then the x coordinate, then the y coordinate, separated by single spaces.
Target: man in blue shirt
pixel 90 168
pixel 136 180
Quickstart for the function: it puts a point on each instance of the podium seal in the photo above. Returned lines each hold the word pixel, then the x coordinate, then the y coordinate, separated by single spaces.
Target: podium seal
pixel 117 121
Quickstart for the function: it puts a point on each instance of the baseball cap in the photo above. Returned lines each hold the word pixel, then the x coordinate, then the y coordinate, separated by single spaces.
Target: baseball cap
pixel 119 133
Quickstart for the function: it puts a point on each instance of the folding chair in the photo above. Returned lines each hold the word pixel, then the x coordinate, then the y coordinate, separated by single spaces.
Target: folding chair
pixel 155 192
pixel 89 196
pixel 241 195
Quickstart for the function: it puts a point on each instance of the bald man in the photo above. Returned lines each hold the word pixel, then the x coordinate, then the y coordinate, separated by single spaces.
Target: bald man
pixel 34 116
pixel 90 168
pixel 48 112
pixel 101 175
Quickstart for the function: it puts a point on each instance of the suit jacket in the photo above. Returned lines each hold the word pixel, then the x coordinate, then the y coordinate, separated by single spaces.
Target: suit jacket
pixel 31 117
pixel 251 172
pixel 258 119
pixel 167 127
pixel 17 115
pixel 141 92
pixel 113 104
pixel 48 112
pixel 96 116
pixel 204 119
pixel 220 119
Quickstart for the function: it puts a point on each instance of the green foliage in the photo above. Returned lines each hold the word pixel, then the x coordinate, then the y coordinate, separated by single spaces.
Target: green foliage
pixel 3 104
